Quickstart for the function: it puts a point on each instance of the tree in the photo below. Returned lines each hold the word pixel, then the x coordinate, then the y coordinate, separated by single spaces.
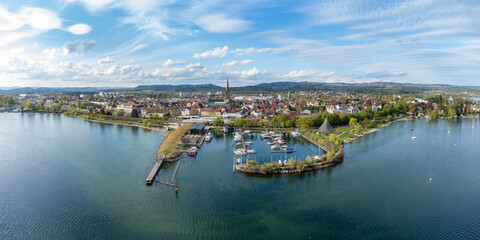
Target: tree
pixel 452 112
pixel 145 122
pixel 21 107
pixel 272 122
pixel 332 137
pixel 120 113
pixel 30 106
pixel 41 106
pixel 57 107
pixel 389 118
pixel 304 122
pixel 352 122
pixel 434 114
pixel 218 122
pixel 134 113
pixel 289 124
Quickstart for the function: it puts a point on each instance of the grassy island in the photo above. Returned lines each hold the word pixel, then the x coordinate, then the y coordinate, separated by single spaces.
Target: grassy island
pixel 333 156
pixel 172 146
pixel 293 166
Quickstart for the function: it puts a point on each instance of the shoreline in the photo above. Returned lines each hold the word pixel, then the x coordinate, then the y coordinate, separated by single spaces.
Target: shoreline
pixel 373 130
pixel 100 121
pixel 123 124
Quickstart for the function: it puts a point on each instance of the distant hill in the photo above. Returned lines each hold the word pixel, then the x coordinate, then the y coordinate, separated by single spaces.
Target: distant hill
pixel 375 87
pixel 49 90
pixel 180 88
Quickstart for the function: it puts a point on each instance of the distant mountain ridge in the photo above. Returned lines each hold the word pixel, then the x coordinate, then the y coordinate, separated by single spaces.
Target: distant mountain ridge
pixel 180 88
pixel 374 87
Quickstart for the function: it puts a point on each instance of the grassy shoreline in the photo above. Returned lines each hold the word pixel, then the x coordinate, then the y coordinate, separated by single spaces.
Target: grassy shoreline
pixel 171 147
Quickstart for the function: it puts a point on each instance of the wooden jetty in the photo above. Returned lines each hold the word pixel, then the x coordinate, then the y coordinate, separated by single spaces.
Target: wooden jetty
pixel 315 143
pixel 154 172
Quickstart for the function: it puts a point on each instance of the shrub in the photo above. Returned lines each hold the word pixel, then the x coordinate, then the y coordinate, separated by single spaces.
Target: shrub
pixel 309 161
pixel 292 163
pixel 332 137
pixel 300 166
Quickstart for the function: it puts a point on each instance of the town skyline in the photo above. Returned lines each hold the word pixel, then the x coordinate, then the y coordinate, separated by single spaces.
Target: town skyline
pixel 121 43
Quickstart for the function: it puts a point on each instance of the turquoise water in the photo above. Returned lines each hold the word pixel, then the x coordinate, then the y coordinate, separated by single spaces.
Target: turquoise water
pixel 65 178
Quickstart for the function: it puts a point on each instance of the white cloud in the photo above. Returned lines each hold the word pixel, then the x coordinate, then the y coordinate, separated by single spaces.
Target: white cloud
pixel 171 62
pixel 254 72
pixel 236 63
pixel 94 5
pixel 385 74
pixel 105 60
pixel 169 18
pixel 37 18
pixel 252 50
pixel 78 46
pixel 219 23
pixel 79 29
pixel 51 53
pixel 31 21
pixel 215 53
pixel 404 19
pixel 299 74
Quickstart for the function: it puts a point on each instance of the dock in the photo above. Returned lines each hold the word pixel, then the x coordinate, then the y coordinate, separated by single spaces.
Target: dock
pixel 315 143
pixel 154 172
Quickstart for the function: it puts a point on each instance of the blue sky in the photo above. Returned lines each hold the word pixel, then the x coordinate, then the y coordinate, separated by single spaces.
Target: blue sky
pixel 66 43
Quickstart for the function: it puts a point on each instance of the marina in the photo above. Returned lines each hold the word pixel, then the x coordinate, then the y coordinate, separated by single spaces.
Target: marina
pixel 269 146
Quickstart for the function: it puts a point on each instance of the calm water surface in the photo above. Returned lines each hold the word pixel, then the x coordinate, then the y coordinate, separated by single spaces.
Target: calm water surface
pixel 65 178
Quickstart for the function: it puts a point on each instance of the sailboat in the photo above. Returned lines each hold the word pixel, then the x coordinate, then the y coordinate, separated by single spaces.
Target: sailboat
pixel 413 137
pixel 449 131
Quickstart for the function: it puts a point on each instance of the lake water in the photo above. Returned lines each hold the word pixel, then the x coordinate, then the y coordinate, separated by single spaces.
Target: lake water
pixel 264 152
pixel 66 178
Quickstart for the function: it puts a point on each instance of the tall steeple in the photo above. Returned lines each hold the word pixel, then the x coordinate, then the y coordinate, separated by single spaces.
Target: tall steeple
pixel 227 93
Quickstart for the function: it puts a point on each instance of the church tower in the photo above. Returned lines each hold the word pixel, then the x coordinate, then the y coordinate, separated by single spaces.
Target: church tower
pixel 227 93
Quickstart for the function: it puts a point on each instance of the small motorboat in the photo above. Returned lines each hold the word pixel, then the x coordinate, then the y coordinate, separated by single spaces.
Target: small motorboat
pixel 246 132
pixel 240 152
pixel 413 138
pixel 289 149
pixel 274 146
pixel 208 138
pixel 239 161
pixel 193 151
pixel 251 151
pixel 285 162
pixel 281 142
pixel 271 143
pixel 248 143
pixel 295 134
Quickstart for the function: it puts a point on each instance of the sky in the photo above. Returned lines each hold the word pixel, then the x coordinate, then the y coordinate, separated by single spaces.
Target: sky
pixel 125 43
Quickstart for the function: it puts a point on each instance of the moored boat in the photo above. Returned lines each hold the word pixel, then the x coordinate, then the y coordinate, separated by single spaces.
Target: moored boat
pixel 251 151
pixel 208 138
pixel 193 151
pixel 295 133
